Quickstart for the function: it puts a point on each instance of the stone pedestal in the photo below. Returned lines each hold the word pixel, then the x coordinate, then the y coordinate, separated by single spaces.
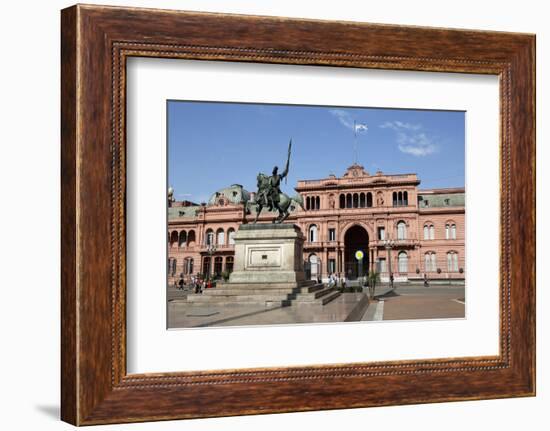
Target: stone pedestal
pixel 268 271
pixel 268 254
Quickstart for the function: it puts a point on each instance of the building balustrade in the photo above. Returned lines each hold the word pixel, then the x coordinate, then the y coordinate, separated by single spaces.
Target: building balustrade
pixel 407 242
pixel 219 247
pixel 320 244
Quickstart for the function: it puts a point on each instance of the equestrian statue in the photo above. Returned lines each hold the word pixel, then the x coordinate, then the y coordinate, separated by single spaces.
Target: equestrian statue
pixel 270 196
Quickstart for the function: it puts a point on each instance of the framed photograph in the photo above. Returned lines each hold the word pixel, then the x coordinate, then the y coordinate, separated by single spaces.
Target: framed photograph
pixel 264 215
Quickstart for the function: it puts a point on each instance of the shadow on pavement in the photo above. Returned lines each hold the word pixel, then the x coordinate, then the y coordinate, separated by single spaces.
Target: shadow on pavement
pixel 388 294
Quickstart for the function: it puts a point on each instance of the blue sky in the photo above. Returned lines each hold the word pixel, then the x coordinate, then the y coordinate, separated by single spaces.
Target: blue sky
pixel 214 145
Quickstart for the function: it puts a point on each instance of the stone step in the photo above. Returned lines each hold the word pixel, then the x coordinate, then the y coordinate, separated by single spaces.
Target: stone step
pixel 260 285
pixel 310 289
pixel 321 301
pixel 312 296
pixel 233 302
pixel 214 299
pixel 330 297
pixel 261 290
pixel 249 291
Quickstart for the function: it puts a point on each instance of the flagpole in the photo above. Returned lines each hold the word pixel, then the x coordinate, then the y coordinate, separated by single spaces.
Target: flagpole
pixel 355 140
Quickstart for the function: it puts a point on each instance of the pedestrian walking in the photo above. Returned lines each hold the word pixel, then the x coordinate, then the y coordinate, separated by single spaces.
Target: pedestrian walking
pixel 426 283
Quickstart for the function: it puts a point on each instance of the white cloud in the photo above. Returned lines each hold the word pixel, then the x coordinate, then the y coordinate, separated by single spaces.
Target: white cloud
pixel 399 125
pixel 344 117
pixel 411 139
pixel 417 144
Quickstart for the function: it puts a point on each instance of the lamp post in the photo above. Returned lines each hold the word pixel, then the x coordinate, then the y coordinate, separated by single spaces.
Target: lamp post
pixel 388 245
pixel 210 249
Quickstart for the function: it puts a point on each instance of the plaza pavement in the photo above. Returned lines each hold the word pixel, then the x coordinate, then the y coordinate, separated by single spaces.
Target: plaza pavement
pixel 401 303
pixel 419 302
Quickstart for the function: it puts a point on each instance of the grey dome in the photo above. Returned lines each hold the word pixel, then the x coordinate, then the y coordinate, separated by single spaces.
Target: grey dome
pixel 234 194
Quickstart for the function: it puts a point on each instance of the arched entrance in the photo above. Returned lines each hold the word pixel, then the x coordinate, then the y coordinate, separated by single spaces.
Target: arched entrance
pixel 356 239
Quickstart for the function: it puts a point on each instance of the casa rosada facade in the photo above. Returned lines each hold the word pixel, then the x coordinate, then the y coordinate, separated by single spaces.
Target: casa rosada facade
pixel 399 229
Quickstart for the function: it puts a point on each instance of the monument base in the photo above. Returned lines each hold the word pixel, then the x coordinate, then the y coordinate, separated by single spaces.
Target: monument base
pixel 267 254
pixel 268 270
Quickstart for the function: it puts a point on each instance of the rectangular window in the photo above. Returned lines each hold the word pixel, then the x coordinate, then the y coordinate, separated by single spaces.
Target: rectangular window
pixel 332 234
pixel 331 266
pixel 382 265
pixel 381 233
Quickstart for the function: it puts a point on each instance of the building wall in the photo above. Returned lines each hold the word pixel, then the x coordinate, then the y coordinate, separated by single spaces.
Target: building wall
pixel 323 201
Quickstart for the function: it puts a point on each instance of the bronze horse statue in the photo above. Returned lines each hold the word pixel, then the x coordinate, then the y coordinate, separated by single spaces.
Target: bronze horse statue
pixel 284 205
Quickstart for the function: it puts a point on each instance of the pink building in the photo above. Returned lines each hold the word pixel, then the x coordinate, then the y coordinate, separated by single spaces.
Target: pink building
pixel 399 228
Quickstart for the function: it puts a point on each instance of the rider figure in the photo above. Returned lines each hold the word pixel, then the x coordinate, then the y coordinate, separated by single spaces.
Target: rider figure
pixel 269 190
pixel 275 186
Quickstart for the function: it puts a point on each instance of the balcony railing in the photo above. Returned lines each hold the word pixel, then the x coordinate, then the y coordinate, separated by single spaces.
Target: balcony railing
pixel 223 247
pixel 317 244
pixel 396 243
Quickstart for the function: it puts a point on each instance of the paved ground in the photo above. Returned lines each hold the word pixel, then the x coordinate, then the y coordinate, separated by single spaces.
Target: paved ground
pixel 348 306
pixel 403 302
pixel 418 302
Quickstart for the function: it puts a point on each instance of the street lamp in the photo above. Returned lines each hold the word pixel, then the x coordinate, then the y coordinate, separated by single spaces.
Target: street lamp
pixel 388 245
pixel 210 249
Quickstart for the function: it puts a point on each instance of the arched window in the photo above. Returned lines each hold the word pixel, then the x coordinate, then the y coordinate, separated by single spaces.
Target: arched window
pixel 206 265
pixel 229 263
pixel 401 230
pixel 405 198
pixel 231 236
pixel 399 198
pixel 342 201
pixel 450 230
pixel 183 239
pixel 394 199
pixel 173 238
pixel 429 232
pixel 191 238
pixel 355 200
pixel 209 237
pixel 313 233
pixel 348 201
pixel 317 203
pixel 188 266
pixel 452 261
pixel 308 203
pixel 362 200
pixel 220 237
pixel 403 262
pixel 430 262
pixel 369 199
pixel 218 262
pixel 314 265
pixel 172 266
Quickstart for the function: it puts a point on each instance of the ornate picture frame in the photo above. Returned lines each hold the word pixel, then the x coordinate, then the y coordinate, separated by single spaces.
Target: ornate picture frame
pixel 96 41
